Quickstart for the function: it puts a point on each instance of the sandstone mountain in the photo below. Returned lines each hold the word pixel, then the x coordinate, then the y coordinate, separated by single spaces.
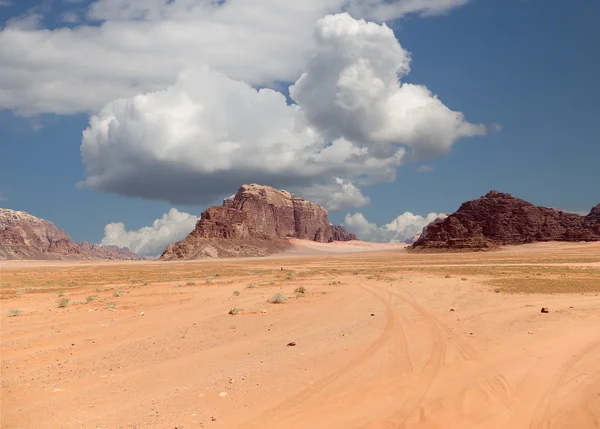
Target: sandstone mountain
pixel 422 233
pixel 256 221
pixel 23 236
pixel 500 219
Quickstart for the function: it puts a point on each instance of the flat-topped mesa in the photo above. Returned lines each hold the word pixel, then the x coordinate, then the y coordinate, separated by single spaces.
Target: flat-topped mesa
pixel 498 219
pixel 257 220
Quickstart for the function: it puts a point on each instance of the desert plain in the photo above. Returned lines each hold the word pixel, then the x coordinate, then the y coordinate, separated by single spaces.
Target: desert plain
pixel 368 337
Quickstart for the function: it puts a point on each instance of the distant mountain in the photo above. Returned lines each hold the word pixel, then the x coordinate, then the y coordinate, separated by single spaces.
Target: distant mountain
pixel 256 221
pixel 498 219
pixel 23 236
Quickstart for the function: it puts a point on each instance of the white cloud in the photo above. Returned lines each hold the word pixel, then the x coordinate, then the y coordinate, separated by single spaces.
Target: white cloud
pixel 336 196
pixel 27 22
pixel 151 240
pixel 69 17
pixel 136 46
pixel 425 168
pixel 5 3
pixel 207 133
pixel 397 231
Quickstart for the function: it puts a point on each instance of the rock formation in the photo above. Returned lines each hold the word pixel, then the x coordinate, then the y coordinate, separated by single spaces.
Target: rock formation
pixel 256 221
pixel 500 219
pixel 418 235
pixel 23 236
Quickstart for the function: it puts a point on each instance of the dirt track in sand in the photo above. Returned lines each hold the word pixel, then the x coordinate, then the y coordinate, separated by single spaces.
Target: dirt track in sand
pixel 379 349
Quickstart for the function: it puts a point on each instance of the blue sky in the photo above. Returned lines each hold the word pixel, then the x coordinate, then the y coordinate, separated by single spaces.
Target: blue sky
pixel 531 66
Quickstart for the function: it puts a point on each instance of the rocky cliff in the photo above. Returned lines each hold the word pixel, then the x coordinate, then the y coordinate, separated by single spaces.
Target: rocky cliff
pixel 256 221
pixel 23 236
pixel 500 219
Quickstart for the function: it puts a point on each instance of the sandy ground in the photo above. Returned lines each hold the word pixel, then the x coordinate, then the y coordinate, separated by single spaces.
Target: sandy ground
pixel 384 339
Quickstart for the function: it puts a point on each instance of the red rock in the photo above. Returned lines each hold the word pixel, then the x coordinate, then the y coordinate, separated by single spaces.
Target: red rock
pixel 498 219
pixel 23 236
pixel 256 221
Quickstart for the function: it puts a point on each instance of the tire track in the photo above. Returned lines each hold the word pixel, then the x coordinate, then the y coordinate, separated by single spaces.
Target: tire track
pixel 542 414
pixel 307 393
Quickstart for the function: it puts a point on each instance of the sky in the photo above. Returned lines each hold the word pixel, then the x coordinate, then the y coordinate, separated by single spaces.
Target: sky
pixel 121 120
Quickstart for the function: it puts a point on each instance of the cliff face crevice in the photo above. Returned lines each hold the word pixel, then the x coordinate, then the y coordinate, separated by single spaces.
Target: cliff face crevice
pixel 256 221
pixel 498 219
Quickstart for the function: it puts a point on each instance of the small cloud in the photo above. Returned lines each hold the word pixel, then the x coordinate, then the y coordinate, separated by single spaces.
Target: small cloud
pixel 31 21
pixel 69 18
pixel 398 230
pixel 3 196
pixel 495 127
pixel 5 3
pixel 425 168
pixel 36 123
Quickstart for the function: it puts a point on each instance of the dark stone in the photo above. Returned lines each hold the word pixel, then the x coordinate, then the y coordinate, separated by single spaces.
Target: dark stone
pixel 499 219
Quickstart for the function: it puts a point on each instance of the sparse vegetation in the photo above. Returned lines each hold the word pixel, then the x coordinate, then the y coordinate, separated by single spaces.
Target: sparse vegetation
pixel 300 289
pixel 14 312
pixel 355 272
pixel 91 298
pixel 118 293
pixel 235 311
pixel 447 276
pixel 299 295
pixel 498 290
pixel 145 283
pixel 191 282
pixel 278 298
pixel 335 282
pixel 464 279
pixel 61 293
pixel 209 280
pixel 290 276
pixel 111 305
pixel 236 293
pixel 251 285
pixel 62 303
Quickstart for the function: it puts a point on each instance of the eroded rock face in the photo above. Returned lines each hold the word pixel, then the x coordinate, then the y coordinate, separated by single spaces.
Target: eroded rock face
pixel 23 236
pixel 256 221
pixel 500 219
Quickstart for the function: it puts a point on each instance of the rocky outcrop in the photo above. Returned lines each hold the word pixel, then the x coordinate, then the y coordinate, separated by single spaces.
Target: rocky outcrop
pixel 256 221
pixel 23 236
pixel 498 219
pixel 423 232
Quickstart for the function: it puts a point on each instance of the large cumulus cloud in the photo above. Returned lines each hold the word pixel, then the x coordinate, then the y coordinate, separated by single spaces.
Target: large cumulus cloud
pixel 352 123
pixel 125 47
pixel 151 240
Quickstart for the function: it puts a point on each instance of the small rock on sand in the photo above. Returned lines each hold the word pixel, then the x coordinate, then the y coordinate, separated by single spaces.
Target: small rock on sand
pixel 545 310
pixel 292 344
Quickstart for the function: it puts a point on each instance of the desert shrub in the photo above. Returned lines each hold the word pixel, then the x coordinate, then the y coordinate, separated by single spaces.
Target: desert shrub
pixel 236 293
pixel 300 289
pixel 91 298
pixel 62 303
pixel 191 282
pixel 14 312
pixel 278 298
